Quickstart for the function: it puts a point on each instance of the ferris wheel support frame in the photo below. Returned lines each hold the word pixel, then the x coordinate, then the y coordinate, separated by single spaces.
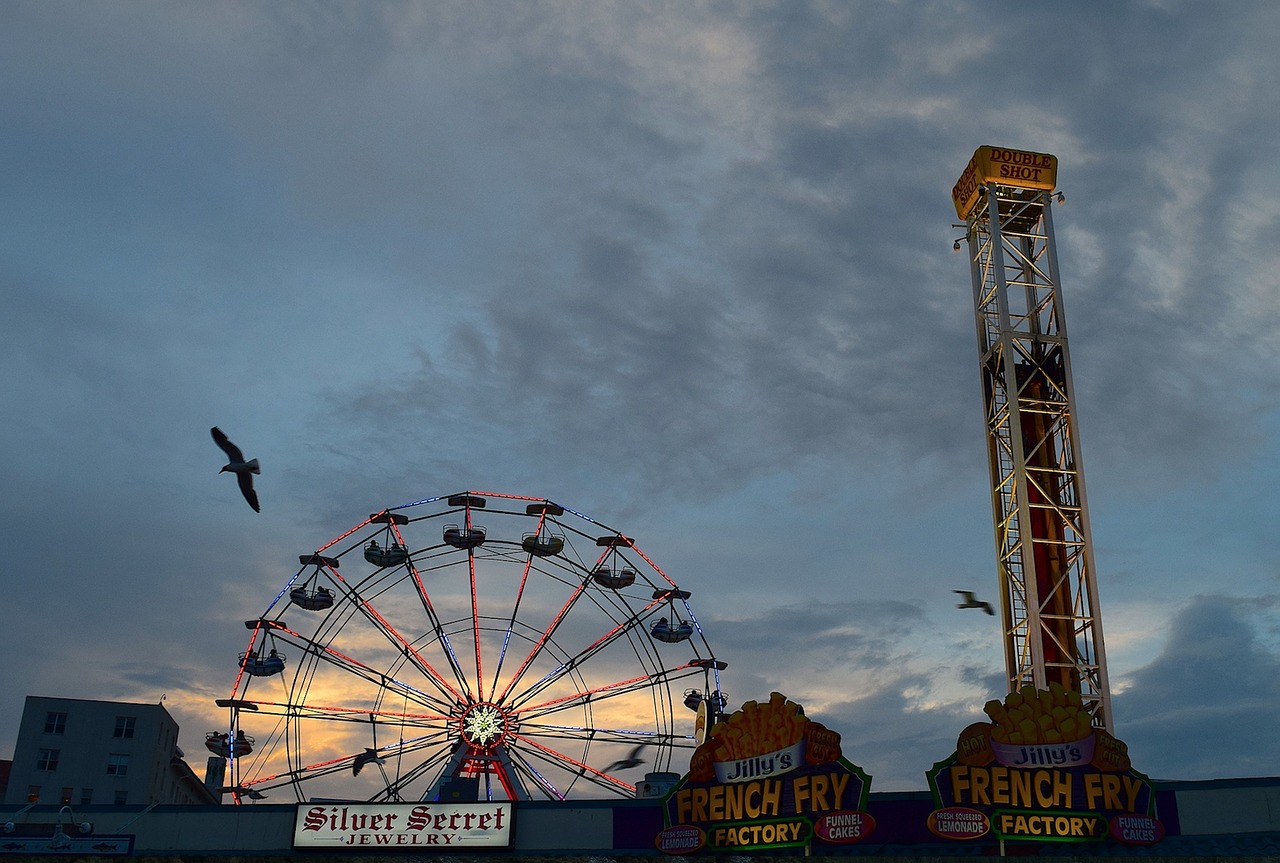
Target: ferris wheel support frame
pixel 1052 625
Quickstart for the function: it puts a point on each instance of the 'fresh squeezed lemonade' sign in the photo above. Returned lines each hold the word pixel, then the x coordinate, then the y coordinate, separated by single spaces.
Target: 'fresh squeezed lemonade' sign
pixel 766 777
pixel 1040 771
pixel 436 826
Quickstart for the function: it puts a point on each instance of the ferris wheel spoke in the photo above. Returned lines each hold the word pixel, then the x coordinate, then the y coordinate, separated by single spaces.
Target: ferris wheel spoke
pixel 525 768
pixel 358 603
pixel 573 765
pixel 329 767
pixel 609 690
pixel 429 608
pixel 630 621
pixel 337 713
pixel 353 763
pixel 515 612
pixel 397 751
pixel 569 666
pixel 632 737
pixel 475 612
pixel 506 638
pixel 437 628
pixel 432 767
pixel 436 747
pixel 393 636
pixel 544 638
pixel 353 666
pixel 577 661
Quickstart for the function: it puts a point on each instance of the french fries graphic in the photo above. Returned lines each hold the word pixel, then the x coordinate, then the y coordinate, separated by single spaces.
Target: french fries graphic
pixel 761 728
pixel 1033 716
pixel 758 728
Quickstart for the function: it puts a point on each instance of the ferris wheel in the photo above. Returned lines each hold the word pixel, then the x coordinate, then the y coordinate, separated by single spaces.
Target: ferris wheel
pixel 470 646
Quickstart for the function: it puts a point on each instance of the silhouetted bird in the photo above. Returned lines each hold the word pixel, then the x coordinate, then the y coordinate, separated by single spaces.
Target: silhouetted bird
pixel 627 763
pixel 243 470
pixel 970 602
pixel 369 756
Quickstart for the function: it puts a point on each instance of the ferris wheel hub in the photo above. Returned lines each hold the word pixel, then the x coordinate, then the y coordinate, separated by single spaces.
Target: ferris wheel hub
pixel 484 725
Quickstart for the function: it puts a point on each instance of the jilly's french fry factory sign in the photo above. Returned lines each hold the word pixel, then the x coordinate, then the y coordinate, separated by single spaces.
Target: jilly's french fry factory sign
pixel 1039 771
pixel 766 777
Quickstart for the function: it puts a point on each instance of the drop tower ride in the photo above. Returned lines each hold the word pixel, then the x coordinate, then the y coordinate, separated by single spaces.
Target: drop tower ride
pixel 1044 553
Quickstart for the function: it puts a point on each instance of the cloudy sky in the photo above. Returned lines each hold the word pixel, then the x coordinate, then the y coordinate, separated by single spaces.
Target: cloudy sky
pixel 685 267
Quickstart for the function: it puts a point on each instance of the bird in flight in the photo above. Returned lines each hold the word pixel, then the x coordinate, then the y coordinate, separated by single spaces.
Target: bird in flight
pixel 243 470
pixel 632 760
pixel 369 756
pixel 971 602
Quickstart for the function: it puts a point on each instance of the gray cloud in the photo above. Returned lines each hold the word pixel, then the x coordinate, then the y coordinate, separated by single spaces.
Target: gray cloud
pixel 1202 708
pixel 683 266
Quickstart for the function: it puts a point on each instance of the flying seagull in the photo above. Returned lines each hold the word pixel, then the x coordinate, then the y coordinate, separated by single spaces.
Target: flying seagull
pixel 627 763
pixel 971 602
pixel 243 470
pixel 369 756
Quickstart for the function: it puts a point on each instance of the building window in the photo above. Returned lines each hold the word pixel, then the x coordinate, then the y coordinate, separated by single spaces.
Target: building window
pixel 122 797
pixel 86 796
pixel 66 795
pixel 55 722
pixel 47 759
pixel 117 764
pixel 33 793
pixel 124 726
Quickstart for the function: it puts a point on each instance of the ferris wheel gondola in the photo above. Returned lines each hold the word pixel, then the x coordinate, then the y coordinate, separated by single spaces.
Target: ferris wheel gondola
pixel 675 629
pixel 223 744
pixel 309 595
pixel 255 664
pixel 392 551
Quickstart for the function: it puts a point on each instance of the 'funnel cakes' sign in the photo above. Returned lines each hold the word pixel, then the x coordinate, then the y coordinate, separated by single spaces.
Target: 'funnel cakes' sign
pixel 1040 771
pixel 766 777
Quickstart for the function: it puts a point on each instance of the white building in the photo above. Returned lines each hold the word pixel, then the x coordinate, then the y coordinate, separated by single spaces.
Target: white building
pixel 78 752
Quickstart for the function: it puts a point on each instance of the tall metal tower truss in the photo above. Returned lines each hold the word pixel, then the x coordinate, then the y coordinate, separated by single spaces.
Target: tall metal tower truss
pixel 1048 588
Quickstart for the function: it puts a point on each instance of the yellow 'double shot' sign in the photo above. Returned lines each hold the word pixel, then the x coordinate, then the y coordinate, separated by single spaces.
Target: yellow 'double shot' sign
pixel 1006 167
